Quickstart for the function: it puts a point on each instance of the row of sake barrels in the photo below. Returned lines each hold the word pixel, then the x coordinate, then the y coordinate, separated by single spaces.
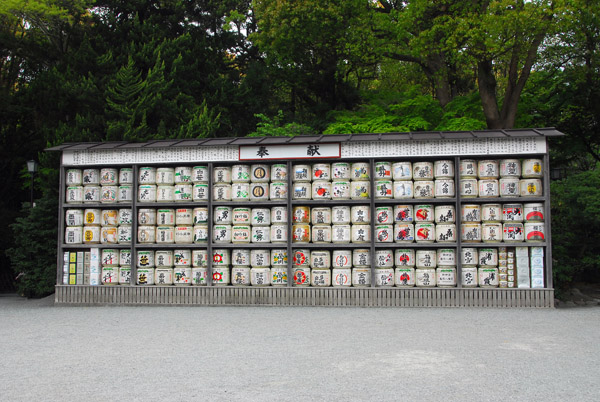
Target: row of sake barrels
pixel 492 232
pixel 383 258
pixel 221 215
pixel 188 234
pixel 531 212
pixel 98 217
pixel 98 234
pixel 505 187
pixel 493 168
pixel 95 177
pixel 383 215
pixel 92 194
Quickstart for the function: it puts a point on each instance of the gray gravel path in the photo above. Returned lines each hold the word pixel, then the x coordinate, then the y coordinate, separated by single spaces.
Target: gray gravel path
pixel 109 353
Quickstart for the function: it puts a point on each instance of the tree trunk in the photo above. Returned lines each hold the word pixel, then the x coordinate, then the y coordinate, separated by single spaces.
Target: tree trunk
pixel 487 92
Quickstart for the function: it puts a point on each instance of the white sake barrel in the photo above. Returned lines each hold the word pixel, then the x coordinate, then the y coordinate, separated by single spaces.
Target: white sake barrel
pixel 424 189
pixel 341 171
pixel 240 192
pixel 261 234
pixel 279 257
pixel 147 175
pixel 278 191
pixel 301 173
pixel 200 192
pixel 261 216
pixel 321 171
pixel 360 171
pixel 165 217
pixel 109 194
pixel 512 212
pixel 260 258
pixel 471 213
pixel 124 275
pixel 361 277
pixel 199 276
pixel 91 194
pixel 182 275
pixel 110 275
pixel 222 192
pixel 240 216
pixel 444 214
pixel 384 233
pixel 145 276
pixel 124 234
pixel 513 232
pixel 488 277
pixel 469 277
pixel 124 257
pixel 446 257
pixel 424 213
pixel 279 215
pixel 491 212
pixel 279 172
pixel 402 171
pixel 182 257
pixel 240 276
pixel 469 256
pixel 183 192
pixel 240 173
pixel 383 189
pixel 491 232
pixel 260 173
pixel 302 191
pixel 125 193
pixel 445 233
pixel 321 215
pixel 163 276
pixel 221 175
pixel 91 234
pixel 165 234
pixel 426 258
pixel 74 235
pixel 259 191
pixel 342 259
pixel 145 259
pixel 341 277
pixel 146 234
pixel 488 257
pixel 488 169
pixel 404 257
pixel 443 169
pixel 201 233
pixel 425 277
pixel 279 233
pixel 301 233
pixel 222 233
pixel 321 233
pixel 110 257
pixel 384 258
pixel 424 232
pixel 200 174
pixel 147 193
pixel 340 215
pixel 360 233
pixel 446 277
pixel 184 216
pixel 510 168
pixel 302 276
pixel 530 188
pixel 361 257
pixel 165 193
pixel 321 190
pixel 404 233
pixel 359 190
pixel 340 190
pixel 403 213
pixel 532 168
pixel 384 277
pixel 534 212
pixel 422 171
pixel 383 170
pixel 199 258
pixel 126 176
pixel 147 216
pixel 360 215
pixel 535 231
pixel 222 215
pixel 163 258
pixel 184 234
pixel 320 259
pixel 165 176
pixel 221 276
pixel 74 177
pixel 489 188
pixel 240 257
pixel 92 217
pixel 469 188
pixel 404 277
pixel 91 177
pixel 509 187
pixel 470 232
pixel 301 257
pixel 403 189
pixel 301 214
pixel 74 195
pixel 74 217
pixel 444 188
pixel 279 276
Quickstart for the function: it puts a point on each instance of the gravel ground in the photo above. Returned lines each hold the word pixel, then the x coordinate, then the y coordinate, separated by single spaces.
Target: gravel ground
pixel 113 353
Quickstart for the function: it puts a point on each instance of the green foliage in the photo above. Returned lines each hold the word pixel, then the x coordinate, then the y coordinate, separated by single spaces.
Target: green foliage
pixel 275 127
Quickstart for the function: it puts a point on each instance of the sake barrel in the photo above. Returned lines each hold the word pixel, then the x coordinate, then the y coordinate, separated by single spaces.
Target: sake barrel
pixel 530 188
pixel 222 215
pixel 361 233
pixel 279 276
pixel 424 213
pixel 445 233
pixel 200 174
pixel 74 177
pixel 222 192
pixel 124 257
pixel 341 171
pixel 534 212
pixel 384 277
pixel 240 276
pixel 404 233
pixel 260 258
pixel 321 171
pixel 509 187
pixel 184 234
pixel 513 232
pixel 200 192
pixel 383 189
pixel 342 259
pixel 147 193
pixel 488 169
pixel 278 191
pixel 361 277
pixel 165 234
pixel 425 277
pixel 199 276
pixel 491 232
pixel 124 275
pixel 165 176
pixel 145 259
pixel 489 188
pixel 443 169
pixel 261 216
pixel 359 190
pixel 361 257
pixel 424 232
pixel 183 192
pixel 301 173
pixel 261 234
pixel 510 168
pixel 403 213
pixel 321 233
pixel 259 191
pixel 531 168
pixel 404 257
pixel 163 258
pixel 182 257
pixel 402 171
pixel 240 257
pixel 146 234
pixel 444 188
pixel 301 276
pixel 403 189
pixel 124 234
pixel 384 233
pixel 184 216
pixel 469 277
pixel 341 277
pixel 279 233
pixel 279 257
pixel 279 215
pixel 147 175
pixel 360 215
pixel 74 217
pixel 241 216
pixel 301 214
pixel 383 170
pixel 279 172
pixel 260 173
pixel 199 258
pixel 91 234
pixel 321 190
pixel 535 231
pixel 182 275
pixel 165 193
pixel 469 256
pixel 126 176
pixel 110 257
pixel 301 233
pixel 426 258
pixel 200 234
pixel 240 173
pixel 73 235
pixel 221 276
pixel 221 175
pixel 446 257
pixel 422 171
pixel 320 259
pixel 301 257
pixel 163 276
pixel 74 195
pixel 488 257
pixel 471 213
pixel 165 217
pixel 125 193
pixel 110 275
pixel 240 192
pixel 384 258
pixel 470 232
pixel 91 177
pixel 340 190
pixel 512 212
pixel 222 233
pixel 444 214
pixel 469 188
pixel 488 277
pixel 384 215
pixel 360 171
pixel 491 212
pixel 91 194
pixel 321 215
pixel 109 194
pixel 404 277
pixel 340 215
pixel 145 276
pixel 424 189
pixel 446 277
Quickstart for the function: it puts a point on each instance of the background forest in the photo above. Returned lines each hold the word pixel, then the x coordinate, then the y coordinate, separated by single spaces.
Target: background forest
pixel 138 70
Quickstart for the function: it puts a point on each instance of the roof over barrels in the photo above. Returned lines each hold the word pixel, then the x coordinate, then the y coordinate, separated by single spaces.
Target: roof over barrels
pixel 303 139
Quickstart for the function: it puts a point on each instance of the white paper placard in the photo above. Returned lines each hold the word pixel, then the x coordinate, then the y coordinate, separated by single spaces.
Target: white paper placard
pixel 290 151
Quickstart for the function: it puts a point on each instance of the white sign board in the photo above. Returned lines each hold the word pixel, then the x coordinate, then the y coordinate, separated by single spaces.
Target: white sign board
pixel 291 151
